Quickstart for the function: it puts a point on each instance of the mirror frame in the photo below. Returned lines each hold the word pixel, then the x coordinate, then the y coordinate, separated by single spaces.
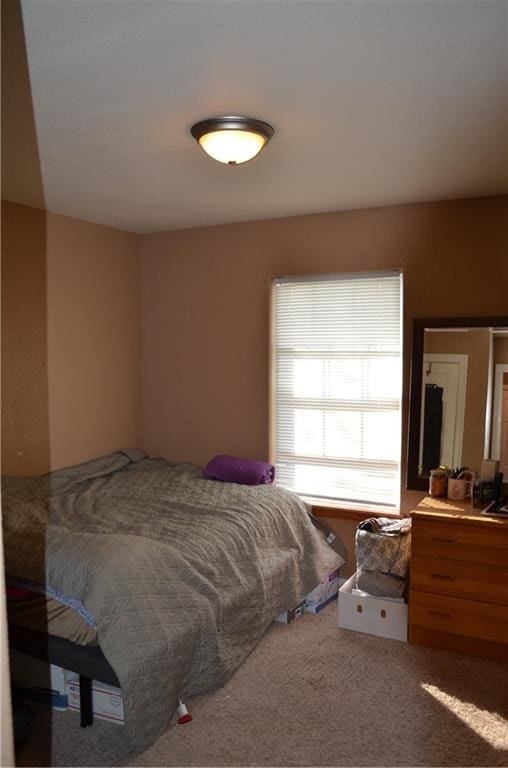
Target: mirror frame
pixel 414 481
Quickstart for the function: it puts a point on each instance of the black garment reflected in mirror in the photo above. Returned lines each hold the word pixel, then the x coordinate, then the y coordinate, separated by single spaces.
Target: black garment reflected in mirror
pixel 432 426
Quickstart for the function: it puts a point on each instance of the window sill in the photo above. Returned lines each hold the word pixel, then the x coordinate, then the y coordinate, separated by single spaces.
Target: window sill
pixel 334 509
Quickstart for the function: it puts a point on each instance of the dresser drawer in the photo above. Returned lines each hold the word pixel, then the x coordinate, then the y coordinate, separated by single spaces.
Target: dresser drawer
pixel 468 618
pixel 485 583
pixel 454 541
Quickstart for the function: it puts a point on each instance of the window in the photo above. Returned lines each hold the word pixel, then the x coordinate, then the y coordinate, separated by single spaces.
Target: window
pixel 337 383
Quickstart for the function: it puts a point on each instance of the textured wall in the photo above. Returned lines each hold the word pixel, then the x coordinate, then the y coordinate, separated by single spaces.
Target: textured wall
pixel 70 340
pixel 205 306
pixel 25 420
pixel 93 340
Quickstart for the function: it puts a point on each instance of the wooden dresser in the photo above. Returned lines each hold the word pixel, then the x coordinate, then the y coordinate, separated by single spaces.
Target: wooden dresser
pixel 458 598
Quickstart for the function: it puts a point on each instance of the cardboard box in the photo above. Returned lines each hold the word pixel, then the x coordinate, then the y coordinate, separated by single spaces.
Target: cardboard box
pixel 325 592
pixel 372 615
pixel 288 616
pixel 38 680
pixel 107 700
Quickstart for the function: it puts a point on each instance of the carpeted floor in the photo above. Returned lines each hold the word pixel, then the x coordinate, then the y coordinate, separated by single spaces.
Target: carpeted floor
pixel 313 695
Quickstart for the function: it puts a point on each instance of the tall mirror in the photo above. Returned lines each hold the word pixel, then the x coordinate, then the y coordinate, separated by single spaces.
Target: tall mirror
pixel 458 412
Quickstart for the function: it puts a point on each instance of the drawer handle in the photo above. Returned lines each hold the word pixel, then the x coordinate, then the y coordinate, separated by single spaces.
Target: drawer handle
pixel 441 577
pixel 441 613
pixel 443 541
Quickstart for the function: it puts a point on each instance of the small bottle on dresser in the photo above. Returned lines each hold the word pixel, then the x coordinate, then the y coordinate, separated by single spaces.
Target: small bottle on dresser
pixel 438 483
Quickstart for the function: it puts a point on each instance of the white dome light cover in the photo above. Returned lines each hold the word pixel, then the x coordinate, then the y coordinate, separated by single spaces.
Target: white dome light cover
pixel 232 140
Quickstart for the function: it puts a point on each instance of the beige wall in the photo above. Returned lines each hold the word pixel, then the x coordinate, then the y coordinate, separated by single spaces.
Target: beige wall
pixel 25 427
pixel 70 340
pixel 71 349
pixel 205 304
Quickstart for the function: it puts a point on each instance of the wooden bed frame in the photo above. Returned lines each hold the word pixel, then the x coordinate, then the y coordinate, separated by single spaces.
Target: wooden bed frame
pixel 88 661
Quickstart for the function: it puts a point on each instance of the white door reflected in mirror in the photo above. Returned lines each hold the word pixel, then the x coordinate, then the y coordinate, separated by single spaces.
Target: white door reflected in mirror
pixel 443 427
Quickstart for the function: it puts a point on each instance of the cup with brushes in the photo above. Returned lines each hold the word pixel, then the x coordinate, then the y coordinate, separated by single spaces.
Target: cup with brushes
pixel 460 483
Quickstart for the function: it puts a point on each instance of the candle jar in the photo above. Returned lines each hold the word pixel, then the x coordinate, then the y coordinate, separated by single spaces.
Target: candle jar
pixel 438 483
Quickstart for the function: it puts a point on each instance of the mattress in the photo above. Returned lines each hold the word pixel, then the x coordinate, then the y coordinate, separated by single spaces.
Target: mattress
pixel 44 613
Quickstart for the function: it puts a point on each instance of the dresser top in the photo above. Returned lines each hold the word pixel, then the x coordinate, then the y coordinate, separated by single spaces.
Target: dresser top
pixel 431 508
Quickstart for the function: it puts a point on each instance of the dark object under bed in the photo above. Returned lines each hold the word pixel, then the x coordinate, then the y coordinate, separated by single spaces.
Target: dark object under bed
pixel 88 662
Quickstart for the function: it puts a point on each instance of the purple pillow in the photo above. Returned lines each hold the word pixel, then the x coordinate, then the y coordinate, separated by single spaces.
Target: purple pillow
pixel 232 469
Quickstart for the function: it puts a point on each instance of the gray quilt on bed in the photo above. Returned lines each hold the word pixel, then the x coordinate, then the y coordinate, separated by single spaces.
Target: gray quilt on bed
pixel 183 574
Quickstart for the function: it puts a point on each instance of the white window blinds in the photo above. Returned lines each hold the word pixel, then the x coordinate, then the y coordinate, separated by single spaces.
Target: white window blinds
pixel 337 379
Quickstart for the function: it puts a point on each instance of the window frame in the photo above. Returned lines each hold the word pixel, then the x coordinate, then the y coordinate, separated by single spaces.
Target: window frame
pixel 323 503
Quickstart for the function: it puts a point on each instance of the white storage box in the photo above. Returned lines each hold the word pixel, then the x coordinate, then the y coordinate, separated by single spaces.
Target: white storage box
pixel 322 594
pixel 38 680
pixel 107 700
pixel 372 615
pixel 367 594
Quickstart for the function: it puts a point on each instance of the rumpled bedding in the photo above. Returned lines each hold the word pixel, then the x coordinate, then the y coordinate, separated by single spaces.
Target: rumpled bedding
pixel 182 574
pixel 383 550
pixel 380 584
pixel 384 544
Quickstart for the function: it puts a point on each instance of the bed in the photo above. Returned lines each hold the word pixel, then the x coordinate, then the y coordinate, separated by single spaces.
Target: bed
pixel 181 574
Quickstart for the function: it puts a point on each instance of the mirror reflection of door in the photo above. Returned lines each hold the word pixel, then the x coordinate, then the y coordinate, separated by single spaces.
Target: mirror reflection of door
pixel 484 343
pixel 504 434
pixel 475 345
pixel 500 418
pixel 447 372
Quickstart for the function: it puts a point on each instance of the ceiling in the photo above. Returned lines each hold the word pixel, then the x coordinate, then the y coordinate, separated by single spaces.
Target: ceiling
pixel 374 102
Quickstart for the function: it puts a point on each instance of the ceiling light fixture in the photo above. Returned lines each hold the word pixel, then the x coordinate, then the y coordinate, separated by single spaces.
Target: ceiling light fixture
pixel 232 140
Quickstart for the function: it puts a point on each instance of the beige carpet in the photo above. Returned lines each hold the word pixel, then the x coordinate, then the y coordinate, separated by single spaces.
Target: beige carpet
pixel 313 695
